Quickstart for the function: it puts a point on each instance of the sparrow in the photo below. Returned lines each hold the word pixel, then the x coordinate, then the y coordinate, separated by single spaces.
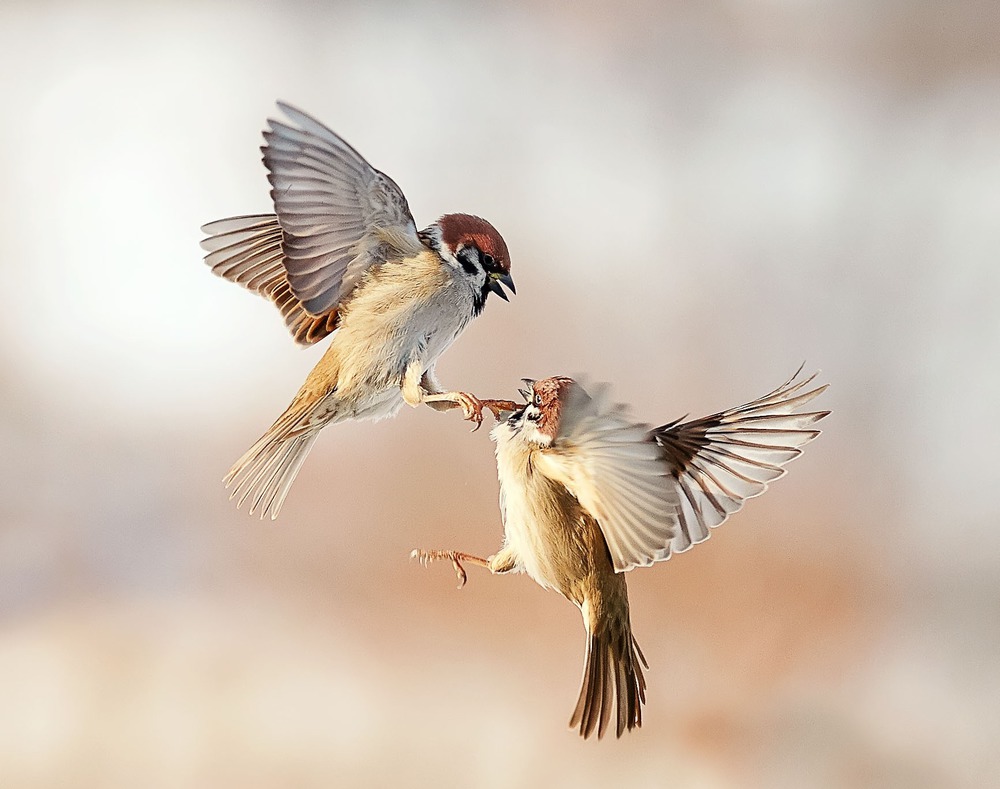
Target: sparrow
pixel 587 494
pixel 341 255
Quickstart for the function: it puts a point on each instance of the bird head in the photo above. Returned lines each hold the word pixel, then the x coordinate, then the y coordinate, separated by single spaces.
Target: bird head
pixel 476 251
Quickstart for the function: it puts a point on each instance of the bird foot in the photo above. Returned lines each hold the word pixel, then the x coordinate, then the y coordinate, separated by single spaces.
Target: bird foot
pixel 472 408
pixel 456 558
pixel 497 407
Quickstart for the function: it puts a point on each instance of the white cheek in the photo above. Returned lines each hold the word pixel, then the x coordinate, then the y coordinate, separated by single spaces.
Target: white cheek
pixel 449 258
pixel 502 432
pixel 478 279
pixel 533 435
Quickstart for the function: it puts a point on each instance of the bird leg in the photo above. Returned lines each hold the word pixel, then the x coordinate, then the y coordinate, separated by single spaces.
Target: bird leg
pixel 456 557
pixel 421 386
pixel 471 405
pixel 503 561
pixel 497 407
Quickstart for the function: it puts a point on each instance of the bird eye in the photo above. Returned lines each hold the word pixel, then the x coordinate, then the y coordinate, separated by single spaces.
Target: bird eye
pixel 488 261
pixel 538 400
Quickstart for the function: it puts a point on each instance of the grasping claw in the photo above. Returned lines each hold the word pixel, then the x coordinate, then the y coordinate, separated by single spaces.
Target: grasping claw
pixel 472 407
pixel 497 407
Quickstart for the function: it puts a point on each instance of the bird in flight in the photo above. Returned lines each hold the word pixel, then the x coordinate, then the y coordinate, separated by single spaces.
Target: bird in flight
pixel 341 255
pixel 587 494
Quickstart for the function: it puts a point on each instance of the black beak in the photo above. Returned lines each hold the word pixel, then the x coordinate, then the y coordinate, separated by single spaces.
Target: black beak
pixel 498 281
pixel 526 393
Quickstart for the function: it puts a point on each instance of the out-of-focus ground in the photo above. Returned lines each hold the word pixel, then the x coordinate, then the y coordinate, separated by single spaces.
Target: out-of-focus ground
pixel 696 200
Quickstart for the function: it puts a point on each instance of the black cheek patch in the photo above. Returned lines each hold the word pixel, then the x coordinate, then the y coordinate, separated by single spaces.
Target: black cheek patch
pixel 469 260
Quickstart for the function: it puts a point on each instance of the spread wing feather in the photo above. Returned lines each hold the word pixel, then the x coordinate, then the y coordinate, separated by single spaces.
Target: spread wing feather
pixel 247 251
pixel 338 213
pixel 658 492
pixel 336 217
pixel 618 474
pixel 719 462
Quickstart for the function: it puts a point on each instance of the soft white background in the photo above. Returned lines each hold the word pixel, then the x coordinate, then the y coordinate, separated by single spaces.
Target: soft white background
pixel 697 198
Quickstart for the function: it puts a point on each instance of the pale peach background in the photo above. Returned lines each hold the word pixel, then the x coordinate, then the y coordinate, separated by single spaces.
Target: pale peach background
pixel 696 200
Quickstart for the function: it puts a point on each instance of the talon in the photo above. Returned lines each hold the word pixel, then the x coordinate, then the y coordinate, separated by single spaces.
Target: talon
pixel 462 577
pixel 426 557
pixel 472 408
pixel 497 407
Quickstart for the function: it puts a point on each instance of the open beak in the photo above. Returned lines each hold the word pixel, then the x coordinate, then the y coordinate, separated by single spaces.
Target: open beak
pixel 526 393
pixel 496 282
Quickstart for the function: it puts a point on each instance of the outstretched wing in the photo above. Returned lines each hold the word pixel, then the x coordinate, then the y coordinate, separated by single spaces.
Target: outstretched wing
pixel 608 462
pixel 658 492
pixel 719 462
pixel 247 250
pixel 336 217
pixel 340 215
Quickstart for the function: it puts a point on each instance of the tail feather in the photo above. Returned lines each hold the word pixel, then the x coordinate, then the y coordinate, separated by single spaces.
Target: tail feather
pixel 267 470
pixel 612 677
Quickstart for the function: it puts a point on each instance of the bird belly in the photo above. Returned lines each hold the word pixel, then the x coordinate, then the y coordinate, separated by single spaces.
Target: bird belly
pixel 392 322
pixel 544 527
pixel 381 405
pixel 523 540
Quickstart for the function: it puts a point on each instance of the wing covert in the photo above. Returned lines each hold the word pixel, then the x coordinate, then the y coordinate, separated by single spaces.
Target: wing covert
pixel 658 492
pixel 339 215
pixel 608 462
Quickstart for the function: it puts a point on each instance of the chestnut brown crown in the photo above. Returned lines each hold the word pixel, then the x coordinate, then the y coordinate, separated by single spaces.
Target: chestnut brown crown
pixel 458 230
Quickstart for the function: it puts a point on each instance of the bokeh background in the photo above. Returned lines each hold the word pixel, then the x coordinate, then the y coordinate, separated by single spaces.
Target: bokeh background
pixel 697 198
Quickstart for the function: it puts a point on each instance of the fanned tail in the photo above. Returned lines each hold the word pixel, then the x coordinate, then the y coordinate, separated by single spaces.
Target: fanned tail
pixel 264 475
pixel 612 677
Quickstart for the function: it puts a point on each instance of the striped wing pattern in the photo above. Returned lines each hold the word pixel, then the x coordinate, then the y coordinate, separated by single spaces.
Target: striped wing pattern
pixel 340 216
pixel 719 462
pixel 336 217
pixel 247 250
pixel 608 462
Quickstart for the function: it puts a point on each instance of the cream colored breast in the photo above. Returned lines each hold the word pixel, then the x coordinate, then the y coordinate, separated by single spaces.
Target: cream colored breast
pixel 407 309
pixel 533 515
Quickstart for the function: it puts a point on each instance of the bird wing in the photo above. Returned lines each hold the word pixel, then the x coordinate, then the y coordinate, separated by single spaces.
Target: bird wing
pixel 617 474
pixel 719 462
pixel 658 492
pixel 339 215
pixel 247 250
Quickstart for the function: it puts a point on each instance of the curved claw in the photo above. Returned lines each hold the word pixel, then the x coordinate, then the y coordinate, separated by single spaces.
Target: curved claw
pixel 472 408
pixel 497 407
pixel 426 557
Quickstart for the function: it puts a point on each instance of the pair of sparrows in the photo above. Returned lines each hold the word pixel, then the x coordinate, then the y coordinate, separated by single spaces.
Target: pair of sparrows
pixel 586 493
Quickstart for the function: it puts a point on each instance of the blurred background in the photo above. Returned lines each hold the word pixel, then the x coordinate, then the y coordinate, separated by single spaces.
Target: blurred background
pixel 697 198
